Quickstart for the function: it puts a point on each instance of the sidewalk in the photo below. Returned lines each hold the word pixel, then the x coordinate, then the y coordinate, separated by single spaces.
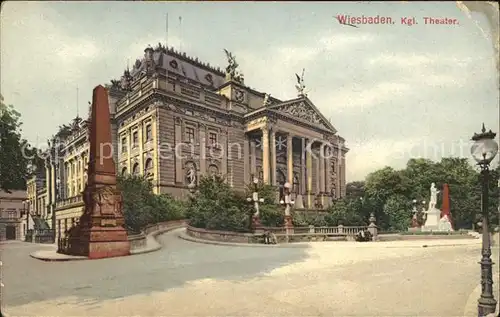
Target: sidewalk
pixel 52 255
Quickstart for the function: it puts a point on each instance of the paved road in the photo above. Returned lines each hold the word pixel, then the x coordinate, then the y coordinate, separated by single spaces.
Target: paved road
pixel 189 279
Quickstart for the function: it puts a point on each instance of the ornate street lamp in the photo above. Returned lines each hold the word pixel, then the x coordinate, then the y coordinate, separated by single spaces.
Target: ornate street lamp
pixel 484 151
pixel 255 200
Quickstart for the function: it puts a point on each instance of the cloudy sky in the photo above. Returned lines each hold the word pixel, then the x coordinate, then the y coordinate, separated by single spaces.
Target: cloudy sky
pixel 393 91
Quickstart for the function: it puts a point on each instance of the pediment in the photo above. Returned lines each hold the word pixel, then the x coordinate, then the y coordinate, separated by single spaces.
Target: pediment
pixel 303 110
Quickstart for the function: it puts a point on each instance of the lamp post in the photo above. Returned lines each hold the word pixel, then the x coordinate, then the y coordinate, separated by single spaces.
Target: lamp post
pixel 288 202
pixel 484 151
pixel 255 223
pixel 26 211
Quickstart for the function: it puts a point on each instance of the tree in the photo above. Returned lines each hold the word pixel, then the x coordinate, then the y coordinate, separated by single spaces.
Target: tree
pixel 397 212
pixel 355 189
pixel 17 159
pixel 345 212
pixel 215 206
pixel 141 207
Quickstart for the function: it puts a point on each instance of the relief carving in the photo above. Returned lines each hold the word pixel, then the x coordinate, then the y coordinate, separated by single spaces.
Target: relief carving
pixel 107 201
pixel 257 121
pixel 301 111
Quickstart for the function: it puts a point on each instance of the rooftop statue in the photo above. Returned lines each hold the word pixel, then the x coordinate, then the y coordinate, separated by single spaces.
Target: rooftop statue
pixel 232 72
pixel 300 84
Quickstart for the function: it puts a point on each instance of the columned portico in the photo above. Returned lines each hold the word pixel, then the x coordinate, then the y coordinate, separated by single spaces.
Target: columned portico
pixel 287 150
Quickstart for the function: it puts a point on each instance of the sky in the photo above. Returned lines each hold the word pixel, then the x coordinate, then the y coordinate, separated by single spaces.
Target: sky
pixel 394 92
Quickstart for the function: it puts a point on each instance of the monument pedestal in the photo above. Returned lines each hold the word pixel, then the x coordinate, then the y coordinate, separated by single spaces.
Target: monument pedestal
pixel 299 202
pixel 436 223
pixel 432 220
pixel 289 224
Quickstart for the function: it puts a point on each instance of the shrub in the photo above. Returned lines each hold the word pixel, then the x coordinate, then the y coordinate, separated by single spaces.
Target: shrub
pixel 141 207
pixel 215 206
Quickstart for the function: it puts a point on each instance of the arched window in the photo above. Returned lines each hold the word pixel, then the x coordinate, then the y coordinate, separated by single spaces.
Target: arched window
pixel 148 165
pixel 135 169
pixel 124 171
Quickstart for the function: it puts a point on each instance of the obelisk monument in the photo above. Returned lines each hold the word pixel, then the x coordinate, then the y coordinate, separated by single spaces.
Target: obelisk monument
pixel 100 232
pixel 445 206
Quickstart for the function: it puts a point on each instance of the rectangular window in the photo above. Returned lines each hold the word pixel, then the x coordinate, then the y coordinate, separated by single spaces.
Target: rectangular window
pixel 135 139
pixel 124 145
pixel 189 134
pixel 149 133
pixel 213 138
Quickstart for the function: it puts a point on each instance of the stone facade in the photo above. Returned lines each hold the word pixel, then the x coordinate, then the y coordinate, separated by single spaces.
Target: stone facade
pixel 12 209
pixel 175 119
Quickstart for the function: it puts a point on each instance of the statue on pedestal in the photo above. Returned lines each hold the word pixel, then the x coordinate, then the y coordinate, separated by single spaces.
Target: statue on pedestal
pixel 433 200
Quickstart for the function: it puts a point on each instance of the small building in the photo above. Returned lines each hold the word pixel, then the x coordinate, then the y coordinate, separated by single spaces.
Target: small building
pixel 12 209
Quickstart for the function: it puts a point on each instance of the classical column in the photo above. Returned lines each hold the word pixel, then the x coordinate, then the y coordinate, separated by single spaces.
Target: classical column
pixel 203 147
pixel 273 156
pixel 342 176
pixel 140 129
pixel 289 150
pixel 129 148
pixel 309 173
pixel 318 171
pixel 82 175
pixel 328 166
pixel 265 155
pixel 156 169
pixel 178 151
pixel 225 154
pixel 321 167
pixel 303 179
pixel 253 161
pixel 246 160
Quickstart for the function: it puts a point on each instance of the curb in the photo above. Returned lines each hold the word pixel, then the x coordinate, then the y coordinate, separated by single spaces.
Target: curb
pixel 58 260
pixel 185 237
pixel 149 237
pixel 470 308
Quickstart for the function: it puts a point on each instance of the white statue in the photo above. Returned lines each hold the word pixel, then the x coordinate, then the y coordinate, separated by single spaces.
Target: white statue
pixel 191 176
pixel 433 201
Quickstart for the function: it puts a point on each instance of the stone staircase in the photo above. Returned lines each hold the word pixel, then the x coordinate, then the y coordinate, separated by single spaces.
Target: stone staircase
pixel 40 223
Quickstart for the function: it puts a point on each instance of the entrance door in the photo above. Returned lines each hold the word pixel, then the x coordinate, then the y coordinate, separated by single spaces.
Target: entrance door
pixel 10 233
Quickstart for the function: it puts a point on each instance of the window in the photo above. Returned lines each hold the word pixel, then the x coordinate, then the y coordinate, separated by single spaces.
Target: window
pixel 189 134
pixel 135 169
pixel 149 133
pixel 124 145
pixel 135 139
pixel 148 165
pixel 212 138
pixel 11 214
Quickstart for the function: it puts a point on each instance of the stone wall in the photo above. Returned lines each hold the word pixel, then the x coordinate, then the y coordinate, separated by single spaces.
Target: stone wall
pixel 138 241
pixel 222 236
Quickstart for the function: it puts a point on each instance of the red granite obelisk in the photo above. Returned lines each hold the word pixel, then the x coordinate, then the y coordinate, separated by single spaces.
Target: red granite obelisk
pixel 445 206
pixel 100 232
